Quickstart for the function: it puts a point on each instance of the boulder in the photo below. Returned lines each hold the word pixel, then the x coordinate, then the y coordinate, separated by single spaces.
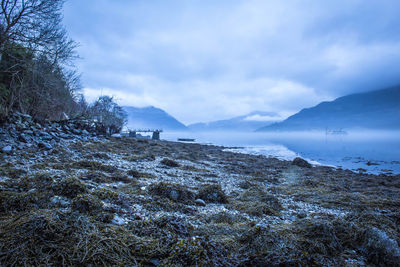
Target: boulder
pixel 76 131
pixel 65 136
pixel 200 202
pixel 301 163
pixel 22 138
pixel 45 146
pixel 7 149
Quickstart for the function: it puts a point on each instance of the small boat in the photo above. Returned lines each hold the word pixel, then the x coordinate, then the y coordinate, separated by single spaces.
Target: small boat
pixel 335 132
pixel 186 139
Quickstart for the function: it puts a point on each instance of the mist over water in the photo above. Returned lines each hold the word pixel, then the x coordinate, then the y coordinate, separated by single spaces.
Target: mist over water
pixel 374 151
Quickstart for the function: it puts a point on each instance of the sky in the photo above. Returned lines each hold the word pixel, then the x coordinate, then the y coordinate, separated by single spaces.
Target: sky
pixel 205 60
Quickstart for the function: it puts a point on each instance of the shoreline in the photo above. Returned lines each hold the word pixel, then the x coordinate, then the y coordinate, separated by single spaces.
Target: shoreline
pixel 237 209
pixel 361 161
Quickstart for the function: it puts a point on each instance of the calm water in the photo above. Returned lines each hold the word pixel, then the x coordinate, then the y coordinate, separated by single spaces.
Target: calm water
pixel 374 151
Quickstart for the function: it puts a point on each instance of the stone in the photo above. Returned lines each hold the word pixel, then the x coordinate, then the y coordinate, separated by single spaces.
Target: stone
pixel 118 220
pixel 59 200
pixel 76 131
pixel 43 133
pixel 65 136
pixel 174 195
pixel 301 163
pixel 45 146
pixel 85 132
pixel 155 262
pixel 26 117
pixel 200 202
pixel 22 138
pixel 47 137
pixel 7 149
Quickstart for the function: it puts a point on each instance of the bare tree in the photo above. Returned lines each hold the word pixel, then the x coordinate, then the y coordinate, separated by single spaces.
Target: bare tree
pixel 110 116
pixel 36 70
pixel 35 24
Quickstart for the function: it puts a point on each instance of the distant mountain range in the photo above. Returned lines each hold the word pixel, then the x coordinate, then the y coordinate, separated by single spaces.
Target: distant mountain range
pixel 374 110
pixel 152 117
pixel 249 122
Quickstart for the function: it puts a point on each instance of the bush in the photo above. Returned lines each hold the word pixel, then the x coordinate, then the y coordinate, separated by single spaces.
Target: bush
pixel 109 116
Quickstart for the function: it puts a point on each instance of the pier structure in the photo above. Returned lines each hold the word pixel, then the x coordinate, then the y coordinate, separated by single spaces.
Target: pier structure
pixel 155 133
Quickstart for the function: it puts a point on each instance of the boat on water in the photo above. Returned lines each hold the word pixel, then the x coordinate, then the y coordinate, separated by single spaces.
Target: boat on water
pixel 186 139
pixel 335 132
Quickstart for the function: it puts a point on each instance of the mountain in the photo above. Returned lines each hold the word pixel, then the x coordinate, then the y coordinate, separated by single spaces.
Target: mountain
pixel 378 109
pixel 249 122
pixel 152 117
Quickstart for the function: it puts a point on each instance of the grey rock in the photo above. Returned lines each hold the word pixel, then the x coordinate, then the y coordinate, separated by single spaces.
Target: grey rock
pixel 174 195
pixel 20 125
pixel 77 131
pixel 118 220
pixel 26 117
pixel 45 146
pixel 7 149
pixel 42 133
pixel 20 147
pixel 62 201
pixel 47 137
pixel 200 202
pixel 155 262
pixel 22 138
pixel 302 215
pixel 65 136
pixel 85 132
pixel 301 163
pixel 29 132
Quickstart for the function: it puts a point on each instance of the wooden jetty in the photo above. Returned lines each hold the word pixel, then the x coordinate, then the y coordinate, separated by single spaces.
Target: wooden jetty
pixel 155 133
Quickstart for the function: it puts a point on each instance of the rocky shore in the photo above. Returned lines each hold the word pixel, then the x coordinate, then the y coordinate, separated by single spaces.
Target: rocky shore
pixel 71 197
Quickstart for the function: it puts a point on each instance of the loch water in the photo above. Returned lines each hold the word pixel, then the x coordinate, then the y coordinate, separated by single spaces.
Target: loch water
pixel 360 150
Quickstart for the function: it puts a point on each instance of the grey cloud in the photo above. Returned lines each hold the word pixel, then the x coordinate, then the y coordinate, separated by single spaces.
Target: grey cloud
pixel 214 57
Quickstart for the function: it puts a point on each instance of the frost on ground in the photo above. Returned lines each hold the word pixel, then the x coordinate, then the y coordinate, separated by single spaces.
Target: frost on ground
pixel 123 201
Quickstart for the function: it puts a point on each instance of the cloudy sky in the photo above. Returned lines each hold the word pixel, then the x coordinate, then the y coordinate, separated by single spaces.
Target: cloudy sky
pixel 202 60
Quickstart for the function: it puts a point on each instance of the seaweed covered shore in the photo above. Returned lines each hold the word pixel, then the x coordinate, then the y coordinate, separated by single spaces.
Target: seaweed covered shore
pixel 134 202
